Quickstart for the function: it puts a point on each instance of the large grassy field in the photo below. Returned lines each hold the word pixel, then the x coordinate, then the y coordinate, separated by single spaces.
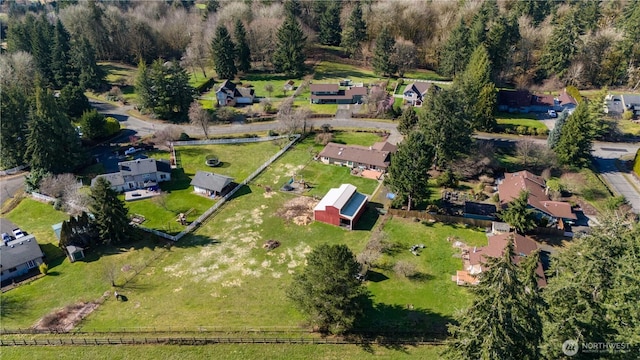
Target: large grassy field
pixel 298 161
pixel 512 121
pixel 238 161
pixel 223 352
pixel 66 283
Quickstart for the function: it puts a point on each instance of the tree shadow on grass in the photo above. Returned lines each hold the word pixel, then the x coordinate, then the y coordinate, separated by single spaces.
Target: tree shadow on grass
pixel 192 240
pixel 12 307
pixel 376 277
pixel 395 326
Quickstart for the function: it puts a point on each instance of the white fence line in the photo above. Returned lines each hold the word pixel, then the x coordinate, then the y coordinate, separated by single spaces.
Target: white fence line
pixel 228 141
pixel 202 218
pixel 12 171
pixel 42 197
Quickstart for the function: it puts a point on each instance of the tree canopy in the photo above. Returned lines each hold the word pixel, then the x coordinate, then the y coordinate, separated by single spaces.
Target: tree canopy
pixel 111 215
pixel 327 290
pixel 224 54
pixel 243 52
pixel 504 321
pixel 576 138
pixel 518 214
pixel 480 94
pixel 354 32
pixel 408 171
pixel 382 57
pixel 290 55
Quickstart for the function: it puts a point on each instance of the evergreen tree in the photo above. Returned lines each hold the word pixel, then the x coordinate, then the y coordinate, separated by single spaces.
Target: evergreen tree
pixel 143 86
pixel 537 10
pixel 242 47
pixel 574 146
pixel 504 321
pixel 93 125
pixel 164 89
pixel 408 121
pixel 456 51
pixel 14 108
pixel 355 31
pixel 224 54
pixel 41 47
pixel 446 125
pixel 501 43
pixel 52 142
pixel 83 60
pixel 560 50
pixel 112 222
pixel 382 55
pixel 72 101
pixel 480 94
pixel 519 215
pixel 290 55
pixel 330 29
pixel 592 295
pixel 60 51
pixel 327 291
pixel 408 172
pixel 554 134
pixel 293 8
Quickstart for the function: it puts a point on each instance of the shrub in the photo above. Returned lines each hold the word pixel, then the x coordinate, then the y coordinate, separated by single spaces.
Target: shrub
pixel 272 133
pixel 627 115
pixel 44 269
pixel 324 138
pixel 184 137
pixel 615 203
pixel 112 126
pixel 495 198
pixel 405 268
pixel 447 179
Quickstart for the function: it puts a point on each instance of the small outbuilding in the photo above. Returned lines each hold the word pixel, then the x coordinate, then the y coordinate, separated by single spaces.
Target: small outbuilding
pixel 210 184
pixel 341 206
pixel 75 253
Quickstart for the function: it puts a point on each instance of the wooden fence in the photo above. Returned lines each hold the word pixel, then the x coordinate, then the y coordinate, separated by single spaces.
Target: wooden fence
pixel 424 215
pixel 213 340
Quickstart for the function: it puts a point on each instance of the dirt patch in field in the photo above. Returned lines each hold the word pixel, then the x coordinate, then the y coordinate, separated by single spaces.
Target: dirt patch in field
pixel 67 318
pixel 299 210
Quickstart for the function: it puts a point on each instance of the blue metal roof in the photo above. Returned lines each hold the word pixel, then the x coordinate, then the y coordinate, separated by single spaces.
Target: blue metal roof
pixel 352 206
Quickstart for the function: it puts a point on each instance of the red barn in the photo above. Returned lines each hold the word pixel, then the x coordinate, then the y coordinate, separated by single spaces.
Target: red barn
pixel 341 207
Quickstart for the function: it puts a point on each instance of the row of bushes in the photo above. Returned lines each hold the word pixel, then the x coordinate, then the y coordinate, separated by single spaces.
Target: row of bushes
pixel 522 130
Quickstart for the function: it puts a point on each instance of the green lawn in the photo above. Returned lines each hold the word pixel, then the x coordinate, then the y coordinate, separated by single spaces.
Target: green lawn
pixel 514 120
pixel 627 127
pixel 299 161
pixel 223 352
pixel 239 160
pixel 36 218
pixel 332 72
pixel 423 74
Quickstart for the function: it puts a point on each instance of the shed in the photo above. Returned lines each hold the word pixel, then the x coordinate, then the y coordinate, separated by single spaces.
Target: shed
pixel 210 184
pixel 341 206
pixel 75 253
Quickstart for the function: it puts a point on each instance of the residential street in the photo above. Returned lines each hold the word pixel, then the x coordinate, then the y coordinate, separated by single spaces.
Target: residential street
pixel 605 154
pixel 9 185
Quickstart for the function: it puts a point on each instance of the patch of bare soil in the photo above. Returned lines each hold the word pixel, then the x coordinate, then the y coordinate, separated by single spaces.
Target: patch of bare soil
pixel 67 318
pixel 299 210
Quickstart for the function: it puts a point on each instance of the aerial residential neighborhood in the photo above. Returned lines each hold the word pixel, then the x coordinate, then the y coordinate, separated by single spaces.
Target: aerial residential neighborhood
pixel 295 179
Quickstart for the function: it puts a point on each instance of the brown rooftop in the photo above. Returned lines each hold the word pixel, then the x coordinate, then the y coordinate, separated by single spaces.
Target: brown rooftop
pixel 522 247
pixel 514 183
pixel 355 153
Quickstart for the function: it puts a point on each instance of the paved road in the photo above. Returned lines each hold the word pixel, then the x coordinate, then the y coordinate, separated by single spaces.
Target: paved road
pixel 10 185
pixel 604 154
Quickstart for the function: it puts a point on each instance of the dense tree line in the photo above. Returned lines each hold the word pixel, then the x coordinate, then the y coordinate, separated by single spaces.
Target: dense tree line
pixel 584 43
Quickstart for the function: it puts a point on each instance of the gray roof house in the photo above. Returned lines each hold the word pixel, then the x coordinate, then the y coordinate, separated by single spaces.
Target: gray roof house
pixel 19 257
pixel 415 93
pixel 210 184
pixel 230 94
pixel 137 174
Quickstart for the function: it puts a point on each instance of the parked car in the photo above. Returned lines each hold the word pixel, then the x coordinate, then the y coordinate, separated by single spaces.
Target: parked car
pixel 18 233
pixel 552 113
pixel 131 151
pixel 6 237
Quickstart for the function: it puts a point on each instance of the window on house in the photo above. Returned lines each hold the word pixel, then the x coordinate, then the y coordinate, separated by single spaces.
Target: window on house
pixel 31 264
pixel 12 270
pixel 163 176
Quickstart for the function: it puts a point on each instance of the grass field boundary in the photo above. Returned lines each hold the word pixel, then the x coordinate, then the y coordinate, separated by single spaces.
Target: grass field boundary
pixel 214 340
pixel 228 141
pixel 202 218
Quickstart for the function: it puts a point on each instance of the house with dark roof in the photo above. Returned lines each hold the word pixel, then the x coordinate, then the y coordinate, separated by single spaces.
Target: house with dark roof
pixel 482 211
pixel 554 211
pixel 522 101
pixel 137 174
pixel 341 206
pixel 376 157
pixel 522 246
pixel 415 93
pixel 229 94
pixel 289 86
pixel 19 257
pixel 210 184
pixel 333 94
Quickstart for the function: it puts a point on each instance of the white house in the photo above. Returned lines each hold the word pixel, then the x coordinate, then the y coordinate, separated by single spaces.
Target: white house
pixel 229 94
pixel 415 93
pixel 137 174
